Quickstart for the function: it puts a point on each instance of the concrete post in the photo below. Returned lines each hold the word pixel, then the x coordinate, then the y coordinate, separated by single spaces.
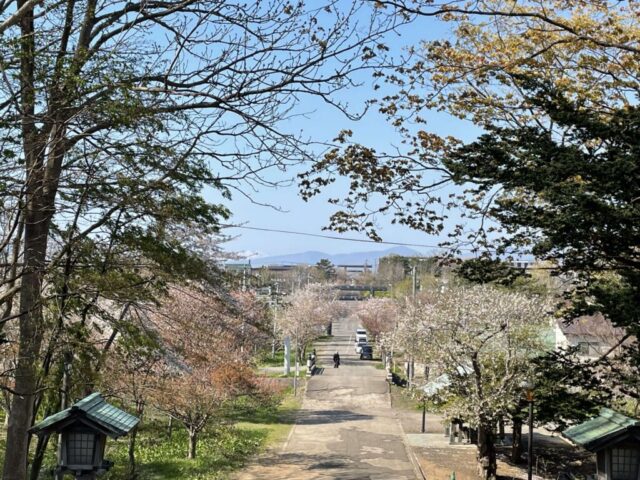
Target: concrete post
pixel 287 355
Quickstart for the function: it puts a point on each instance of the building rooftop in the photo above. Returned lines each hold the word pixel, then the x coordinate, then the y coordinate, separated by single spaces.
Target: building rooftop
pixel 92 409
pixel 607 428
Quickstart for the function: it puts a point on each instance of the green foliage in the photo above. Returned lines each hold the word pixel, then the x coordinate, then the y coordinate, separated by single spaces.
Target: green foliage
pixel 326 269
pixel 572 197
pixel 567 391
pixel 266 360
pixel 488 270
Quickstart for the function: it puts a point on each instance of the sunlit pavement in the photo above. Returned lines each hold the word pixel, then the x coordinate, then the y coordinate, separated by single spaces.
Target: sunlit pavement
pixel 346 429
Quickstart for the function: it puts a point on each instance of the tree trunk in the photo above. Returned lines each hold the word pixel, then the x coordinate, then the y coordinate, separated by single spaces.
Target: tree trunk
pixel 193 439
pixel 42 176
pixel 30 331
pixel 131 470
pixel 38 457
pixel 487 463
pixel 516 447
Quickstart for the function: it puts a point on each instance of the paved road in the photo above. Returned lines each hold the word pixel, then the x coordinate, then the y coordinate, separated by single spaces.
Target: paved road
pixel 346 429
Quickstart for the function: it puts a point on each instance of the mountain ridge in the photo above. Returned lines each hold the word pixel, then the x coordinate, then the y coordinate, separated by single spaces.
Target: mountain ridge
pixel 312 257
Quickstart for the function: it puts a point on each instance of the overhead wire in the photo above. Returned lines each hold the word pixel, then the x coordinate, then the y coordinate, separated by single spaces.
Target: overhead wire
pixel 345 239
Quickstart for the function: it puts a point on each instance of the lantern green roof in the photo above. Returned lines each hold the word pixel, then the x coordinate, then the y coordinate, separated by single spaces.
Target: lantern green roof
pixel 92 410
pixel 606 429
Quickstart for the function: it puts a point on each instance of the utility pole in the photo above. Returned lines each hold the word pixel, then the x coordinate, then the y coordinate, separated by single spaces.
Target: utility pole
pixel 414 283
pixel 243 327
pixel 287 355
pixel 274 305
pixel 295 378
pixel 414 289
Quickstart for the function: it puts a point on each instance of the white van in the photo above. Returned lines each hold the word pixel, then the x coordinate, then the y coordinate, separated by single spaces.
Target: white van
pixel 361 338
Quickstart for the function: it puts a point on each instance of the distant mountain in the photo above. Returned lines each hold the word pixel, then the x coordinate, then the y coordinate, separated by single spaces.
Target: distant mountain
pixel 355 258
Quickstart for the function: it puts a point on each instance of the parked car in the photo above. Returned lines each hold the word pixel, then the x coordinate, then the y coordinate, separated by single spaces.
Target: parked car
pixel 366 352
pixel 361 331
pixel 359 343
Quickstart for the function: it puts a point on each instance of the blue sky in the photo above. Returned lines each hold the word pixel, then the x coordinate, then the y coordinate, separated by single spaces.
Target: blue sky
pixel 322 123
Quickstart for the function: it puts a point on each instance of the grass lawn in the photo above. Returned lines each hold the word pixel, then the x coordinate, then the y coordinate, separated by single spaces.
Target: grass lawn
pixel 301 374
pixel 275 426
pixel 267 360
pixel 220 450
pixel 379 365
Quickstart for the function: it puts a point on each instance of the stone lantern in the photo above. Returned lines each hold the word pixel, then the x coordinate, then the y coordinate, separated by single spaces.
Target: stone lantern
pixel 83 430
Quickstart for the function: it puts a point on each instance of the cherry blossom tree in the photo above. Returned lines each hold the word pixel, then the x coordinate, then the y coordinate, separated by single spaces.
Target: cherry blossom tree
pixel 253 320
pixel 130 374
pixel 204 367
pixel 483 339
pixel 308 313
pixel 378 315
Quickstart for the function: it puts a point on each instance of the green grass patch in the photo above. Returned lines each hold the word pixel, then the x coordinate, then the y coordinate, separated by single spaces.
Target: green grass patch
pixel 267 360
pixel 402 399
pixel 275 424
pixel 220 450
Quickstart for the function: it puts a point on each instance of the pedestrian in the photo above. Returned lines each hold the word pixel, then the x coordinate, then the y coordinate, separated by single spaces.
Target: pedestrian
pixel 336 360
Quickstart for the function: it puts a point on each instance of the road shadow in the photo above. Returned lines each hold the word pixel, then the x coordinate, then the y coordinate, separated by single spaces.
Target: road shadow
pixel 295 466
pixel 318 417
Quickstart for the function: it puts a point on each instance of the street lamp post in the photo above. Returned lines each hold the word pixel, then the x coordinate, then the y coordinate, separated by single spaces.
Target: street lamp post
pixel 528 387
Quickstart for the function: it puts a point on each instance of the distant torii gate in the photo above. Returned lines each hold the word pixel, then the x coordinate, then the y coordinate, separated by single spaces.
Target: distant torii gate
pixel 357 288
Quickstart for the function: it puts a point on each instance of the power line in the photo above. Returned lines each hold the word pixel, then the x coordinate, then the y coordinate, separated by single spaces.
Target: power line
pixel 351 239
pixel 335 237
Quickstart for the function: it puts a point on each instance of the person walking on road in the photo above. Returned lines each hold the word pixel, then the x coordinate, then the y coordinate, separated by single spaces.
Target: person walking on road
pixel 336 360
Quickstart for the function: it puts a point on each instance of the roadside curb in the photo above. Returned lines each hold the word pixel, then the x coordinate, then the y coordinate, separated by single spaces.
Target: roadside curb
pixel 411 454
pixel 417 468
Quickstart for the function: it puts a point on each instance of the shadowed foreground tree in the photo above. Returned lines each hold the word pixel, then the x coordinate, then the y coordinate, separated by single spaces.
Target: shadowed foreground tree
pixel 571 193
pixel 116 115
pixel 586 49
